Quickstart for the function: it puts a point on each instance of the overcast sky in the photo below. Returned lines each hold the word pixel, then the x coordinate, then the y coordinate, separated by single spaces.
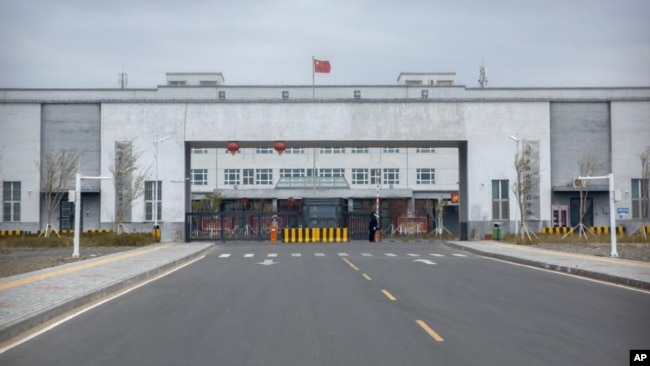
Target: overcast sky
pixel 524 43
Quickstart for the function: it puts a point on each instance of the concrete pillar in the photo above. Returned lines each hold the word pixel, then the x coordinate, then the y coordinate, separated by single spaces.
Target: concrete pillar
pixel 463 206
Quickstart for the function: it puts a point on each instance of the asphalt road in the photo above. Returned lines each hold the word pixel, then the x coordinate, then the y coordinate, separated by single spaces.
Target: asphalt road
pixel 352 304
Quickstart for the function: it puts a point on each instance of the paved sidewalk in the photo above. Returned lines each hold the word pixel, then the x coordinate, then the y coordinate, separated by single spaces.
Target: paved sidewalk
pixel 615 270
pixel 30 299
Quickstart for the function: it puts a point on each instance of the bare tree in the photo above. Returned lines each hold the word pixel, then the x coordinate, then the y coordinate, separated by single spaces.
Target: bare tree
pixel 127 180
pixel 527 179
pixel 211 202
pixel 440 216
pixel 588 166
pixel 58 171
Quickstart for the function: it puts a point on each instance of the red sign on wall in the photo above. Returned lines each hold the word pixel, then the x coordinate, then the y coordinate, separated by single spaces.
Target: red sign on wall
pixel 455 197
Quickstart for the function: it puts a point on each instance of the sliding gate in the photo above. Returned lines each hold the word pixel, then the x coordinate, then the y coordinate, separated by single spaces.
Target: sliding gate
pixel 238 225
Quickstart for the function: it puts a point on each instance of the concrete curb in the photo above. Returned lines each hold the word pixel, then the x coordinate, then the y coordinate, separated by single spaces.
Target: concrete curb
pixel 559 268
pixel 21 326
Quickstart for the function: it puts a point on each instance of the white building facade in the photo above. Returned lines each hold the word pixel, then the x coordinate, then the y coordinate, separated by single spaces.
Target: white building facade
pixel 425 143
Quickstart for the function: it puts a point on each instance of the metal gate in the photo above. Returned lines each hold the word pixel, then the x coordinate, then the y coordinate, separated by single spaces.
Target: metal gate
pixel 237 225
pixel 357 224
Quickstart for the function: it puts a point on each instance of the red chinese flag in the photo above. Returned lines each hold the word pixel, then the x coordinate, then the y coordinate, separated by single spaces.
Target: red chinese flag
pixel 322 66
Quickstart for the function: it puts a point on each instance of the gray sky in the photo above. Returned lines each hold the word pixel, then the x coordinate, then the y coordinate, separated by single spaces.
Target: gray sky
pixel 524 43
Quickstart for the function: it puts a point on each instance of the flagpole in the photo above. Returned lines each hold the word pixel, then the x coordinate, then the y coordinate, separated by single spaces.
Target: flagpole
pixel 313 72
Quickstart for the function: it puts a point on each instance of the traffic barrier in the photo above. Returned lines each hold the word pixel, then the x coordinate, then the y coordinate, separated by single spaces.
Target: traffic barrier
pixel 315 235
pixel 557 230
pixel 11 232
pixel 597 230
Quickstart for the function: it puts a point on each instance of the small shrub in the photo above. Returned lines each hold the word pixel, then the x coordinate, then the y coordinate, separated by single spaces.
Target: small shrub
pixel 86 240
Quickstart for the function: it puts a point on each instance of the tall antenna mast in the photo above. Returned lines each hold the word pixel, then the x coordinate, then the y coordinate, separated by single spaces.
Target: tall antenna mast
pixel 122 79
pixel 482 75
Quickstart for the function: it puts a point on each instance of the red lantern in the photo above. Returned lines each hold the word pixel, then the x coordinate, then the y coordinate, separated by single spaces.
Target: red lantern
pixel 244 202
pixel 233 147
pixel 280 146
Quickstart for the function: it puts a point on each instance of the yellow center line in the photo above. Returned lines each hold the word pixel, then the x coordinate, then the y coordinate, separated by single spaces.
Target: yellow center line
pixel 85 265
pixel 350 264
pixel 367 277
pixel 389 295
pixel 430 331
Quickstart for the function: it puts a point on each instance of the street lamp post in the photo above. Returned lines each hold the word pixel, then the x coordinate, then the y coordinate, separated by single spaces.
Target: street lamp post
pixel 155 190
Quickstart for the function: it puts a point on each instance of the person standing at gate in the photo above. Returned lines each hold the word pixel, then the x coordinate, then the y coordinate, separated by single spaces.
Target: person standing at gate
pixel 372 226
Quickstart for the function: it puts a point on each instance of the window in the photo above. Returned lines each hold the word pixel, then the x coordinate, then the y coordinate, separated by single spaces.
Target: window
pixel 295 150
pixel 359 176
pixel 222 95
pixel 391 150
pixel 359 150
pixel 264 176
pixel 375 176
pixel 249 177
pixel 391 176
pixel 332 150
pixel 425 94
pixel 152 196
pixel 285 94
pixel 639 205
pixel 500 201
pixel 331 173
pixel 425 150
pixel 357 94
pixel 200 151
pixel 231 177
pixel 426 176
pixel 200 177
pixel 292 173
pixel 11 201
pixel 264 150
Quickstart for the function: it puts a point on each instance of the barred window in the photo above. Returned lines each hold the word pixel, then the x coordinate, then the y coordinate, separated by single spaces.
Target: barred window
pixel 11 201
pixel 375 176
pixel 248 177
pixel 391 176
pixel 425 150
pixel 264 150
pixel 426 176
pixel 152 196
pixel 639 202
pixel 332 150
pixel 359 176
pixel 200 177
pixel 231 176
pixel 359 150
pixel 292 173
pixel 200 151
pixel 264 176
pixel 295 150
pixel 331 173
pixel 500 200
pixel 391 150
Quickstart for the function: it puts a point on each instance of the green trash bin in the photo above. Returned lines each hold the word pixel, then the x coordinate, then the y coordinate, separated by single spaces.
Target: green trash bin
pixel 496 231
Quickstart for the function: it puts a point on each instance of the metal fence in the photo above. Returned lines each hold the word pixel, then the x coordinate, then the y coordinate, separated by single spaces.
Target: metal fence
pixel 237 225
